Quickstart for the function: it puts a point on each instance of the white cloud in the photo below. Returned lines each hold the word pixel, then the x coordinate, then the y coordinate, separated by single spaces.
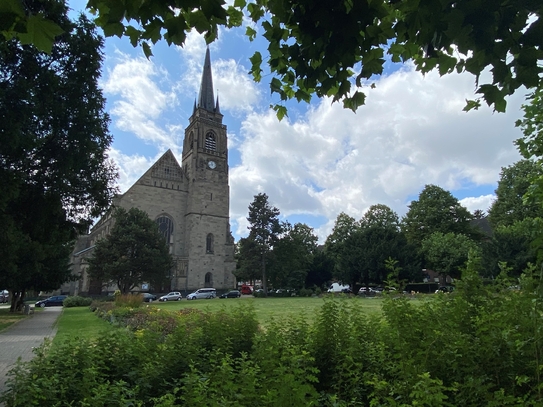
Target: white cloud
pixel 482 202
pixel 412 132
pixel 131 168
pixel 138 102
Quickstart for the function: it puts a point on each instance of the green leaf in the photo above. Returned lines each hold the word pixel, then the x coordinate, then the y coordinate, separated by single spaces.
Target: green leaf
pixel 198 20
pixel 471 104
pixel 251 33
pixel 235 17
pixel 147 50
pixel 275 85
pixel 40 32
pixel 112 29
pixel 281 111
pixel 133 34
pixel 13 7
pixel 256 71
pixel 355 101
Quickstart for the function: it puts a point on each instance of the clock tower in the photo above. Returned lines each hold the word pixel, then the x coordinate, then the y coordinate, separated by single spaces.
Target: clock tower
pixel 208 240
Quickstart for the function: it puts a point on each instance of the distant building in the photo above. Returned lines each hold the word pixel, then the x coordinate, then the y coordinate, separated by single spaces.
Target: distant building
pixel 189 202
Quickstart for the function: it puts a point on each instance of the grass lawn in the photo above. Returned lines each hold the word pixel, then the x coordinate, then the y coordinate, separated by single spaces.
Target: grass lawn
pixel 272 307
pixel 7 318
pixel 79 322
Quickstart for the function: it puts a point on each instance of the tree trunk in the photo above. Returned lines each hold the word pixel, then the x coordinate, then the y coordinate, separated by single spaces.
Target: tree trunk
pixel 264 283
pixel 17 301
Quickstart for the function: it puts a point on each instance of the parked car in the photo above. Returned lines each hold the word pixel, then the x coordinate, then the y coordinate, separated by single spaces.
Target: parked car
pixel 338 288
pixel 148 297
pixel 368 291
pixel 231 294
pixel 202 293
pixel 173 296
pixel 4 296
pixel 445 289
pixel 54 301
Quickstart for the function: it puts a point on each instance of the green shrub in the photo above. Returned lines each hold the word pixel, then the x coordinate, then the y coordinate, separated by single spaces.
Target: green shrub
pixel 129 300
pixel 77 301
pixel 305 292
pixel 479 347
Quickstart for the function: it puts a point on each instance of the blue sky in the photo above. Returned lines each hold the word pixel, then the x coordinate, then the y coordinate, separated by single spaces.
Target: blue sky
pixel 322 159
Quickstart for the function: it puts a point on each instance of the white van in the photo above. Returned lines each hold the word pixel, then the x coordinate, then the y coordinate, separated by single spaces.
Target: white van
pixel 202 293
pixel 338 288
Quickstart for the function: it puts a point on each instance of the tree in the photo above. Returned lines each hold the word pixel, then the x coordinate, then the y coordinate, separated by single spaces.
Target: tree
pixel 380 216
pixel 512 245
pixel 292 256
pixel 248 261
pixel 436 210
pixel 365 251
pixel 55 175
pixel 510 205
pixel 264 229
pixel 320 270
pixel 135 252
pixel 344 227
pixel 447 253
pixel 323 48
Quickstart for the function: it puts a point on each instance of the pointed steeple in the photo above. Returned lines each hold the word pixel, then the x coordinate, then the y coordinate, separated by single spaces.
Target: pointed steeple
pixel 217 110
pixel 205 98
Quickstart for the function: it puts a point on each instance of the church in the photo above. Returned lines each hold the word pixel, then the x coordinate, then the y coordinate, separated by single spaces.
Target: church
pixel 189 202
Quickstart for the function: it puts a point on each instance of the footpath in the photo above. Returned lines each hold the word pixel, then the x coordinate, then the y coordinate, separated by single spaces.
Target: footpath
pixel 22 337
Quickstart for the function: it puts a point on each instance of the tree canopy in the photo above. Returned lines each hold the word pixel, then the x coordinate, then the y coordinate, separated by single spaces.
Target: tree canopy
pixel 448 253
pixel 331 48
pixel 436 210
pixel 55 175
pixel 135 252
pixel 293 256
pixel 510 204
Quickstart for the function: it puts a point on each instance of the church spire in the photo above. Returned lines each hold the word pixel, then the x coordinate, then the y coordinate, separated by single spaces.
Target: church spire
pixel 205 98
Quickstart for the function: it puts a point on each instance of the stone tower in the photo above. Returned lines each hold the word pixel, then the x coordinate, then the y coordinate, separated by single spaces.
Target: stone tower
pixel 209 243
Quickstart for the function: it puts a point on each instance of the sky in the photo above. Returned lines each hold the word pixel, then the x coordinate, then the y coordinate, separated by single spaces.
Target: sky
pixel 322 160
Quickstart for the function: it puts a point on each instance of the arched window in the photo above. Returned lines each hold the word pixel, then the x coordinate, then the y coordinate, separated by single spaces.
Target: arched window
pixel 209 243
pixel 165 227
pixel 211 142
pixel 208 282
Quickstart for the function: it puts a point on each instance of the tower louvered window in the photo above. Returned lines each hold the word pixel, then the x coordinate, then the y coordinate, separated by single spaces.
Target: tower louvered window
pixel 211 142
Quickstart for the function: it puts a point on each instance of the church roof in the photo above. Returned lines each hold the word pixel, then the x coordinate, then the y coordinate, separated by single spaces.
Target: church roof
pixel 205 98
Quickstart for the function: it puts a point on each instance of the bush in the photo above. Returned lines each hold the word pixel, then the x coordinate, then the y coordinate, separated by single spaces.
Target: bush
pixel 305 292
pixel 77 301
pixel 129 300
pixel 479 347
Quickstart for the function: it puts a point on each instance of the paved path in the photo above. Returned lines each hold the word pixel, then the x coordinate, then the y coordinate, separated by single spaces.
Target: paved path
pixel 20 338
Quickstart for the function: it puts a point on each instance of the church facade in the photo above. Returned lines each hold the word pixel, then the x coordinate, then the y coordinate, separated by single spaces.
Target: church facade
pixel 189 202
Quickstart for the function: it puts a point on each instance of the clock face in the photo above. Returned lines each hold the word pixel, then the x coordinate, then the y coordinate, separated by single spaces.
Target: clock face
pixel 212 165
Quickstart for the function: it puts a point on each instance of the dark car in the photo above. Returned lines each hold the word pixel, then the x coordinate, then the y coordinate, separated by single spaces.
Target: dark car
pixel 54 301
pixel 231 294
pixel 148 297
pixel 4 296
